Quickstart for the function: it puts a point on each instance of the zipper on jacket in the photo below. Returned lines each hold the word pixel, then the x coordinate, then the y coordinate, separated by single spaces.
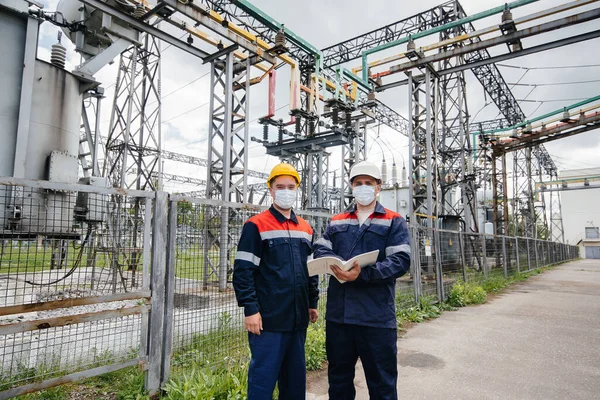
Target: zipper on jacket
pixel 287 226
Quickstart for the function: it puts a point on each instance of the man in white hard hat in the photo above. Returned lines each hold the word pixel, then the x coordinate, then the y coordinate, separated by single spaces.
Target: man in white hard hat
pixel 271 282
pixel 361 316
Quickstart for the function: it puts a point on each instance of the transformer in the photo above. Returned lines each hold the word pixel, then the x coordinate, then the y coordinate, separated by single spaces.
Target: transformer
pixel 39 130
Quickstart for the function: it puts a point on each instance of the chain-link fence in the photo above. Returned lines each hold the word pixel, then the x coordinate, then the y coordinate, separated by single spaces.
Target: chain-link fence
pixel 95 279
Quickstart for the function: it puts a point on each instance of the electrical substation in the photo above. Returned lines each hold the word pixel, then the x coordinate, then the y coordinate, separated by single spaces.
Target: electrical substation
pixel 90 227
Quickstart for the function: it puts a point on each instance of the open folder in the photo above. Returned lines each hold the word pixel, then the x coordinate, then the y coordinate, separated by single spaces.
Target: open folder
pixel 323 265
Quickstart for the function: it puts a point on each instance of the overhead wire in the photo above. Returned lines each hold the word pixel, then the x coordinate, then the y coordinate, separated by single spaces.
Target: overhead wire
pixel 555 67
pixel 555 83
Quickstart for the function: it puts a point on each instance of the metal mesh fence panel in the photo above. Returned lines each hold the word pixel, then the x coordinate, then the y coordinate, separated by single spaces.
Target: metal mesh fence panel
pixel 474 259
pixel 208 324
pixel 425 261
pixel 494 256
pixel 72 260
pixel 450 258
pixel 511 255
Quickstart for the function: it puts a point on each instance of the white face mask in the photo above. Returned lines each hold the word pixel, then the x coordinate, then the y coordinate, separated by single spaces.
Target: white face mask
pixel 285 198
pixel 364 194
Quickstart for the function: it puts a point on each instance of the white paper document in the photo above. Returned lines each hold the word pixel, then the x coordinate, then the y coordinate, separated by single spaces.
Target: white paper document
pixel 323 265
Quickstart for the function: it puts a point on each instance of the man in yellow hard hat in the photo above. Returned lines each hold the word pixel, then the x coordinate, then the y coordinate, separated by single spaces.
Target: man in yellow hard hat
pixel 271 282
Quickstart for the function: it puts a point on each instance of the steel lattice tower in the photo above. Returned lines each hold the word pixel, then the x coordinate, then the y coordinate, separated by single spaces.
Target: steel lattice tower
pixel 132 158
pixel 227 158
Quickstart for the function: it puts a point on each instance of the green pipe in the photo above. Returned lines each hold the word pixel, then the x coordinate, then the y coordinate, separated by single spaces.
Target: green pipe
pixel 273 24
pixel 556 182
pixel 541 117
pixel 348 74
pixel 474 17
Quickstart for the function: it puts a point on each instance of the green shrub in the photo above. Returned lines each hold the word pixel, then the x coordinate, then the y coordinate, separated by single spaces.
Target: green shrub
pixel 465 293
pixel 315 347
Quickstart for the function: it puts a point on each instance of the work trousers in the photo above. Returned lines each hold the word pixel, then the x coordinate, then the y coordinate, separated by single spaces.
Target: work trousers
pixel 277 357
pixel 377 350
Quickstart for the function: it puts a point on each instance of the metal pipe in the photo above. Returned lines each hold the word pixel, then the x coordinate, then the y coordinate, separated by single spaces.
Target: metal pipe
pixel 481 32
pixel 437 29
pixel 507 38
pixel 273 24
pixel 429 142
pixel 541 117
pixel 411 209
pixel 95 168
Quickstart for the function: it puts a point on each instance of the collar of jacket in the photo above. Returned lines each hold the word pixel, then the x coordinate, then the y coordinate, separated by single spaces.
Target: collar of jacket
pixel 282 218
pixel 379 209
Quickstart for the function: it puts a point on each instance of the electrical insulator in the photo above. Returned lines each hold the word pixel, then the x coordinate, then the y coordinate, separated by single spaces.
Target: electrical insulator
pixel 335 116
pixel 311 127
pixel 348 120
pixel 280 134
pixel 266 132
pixel 298 125
pixel 383 171
pixel 280 37
pixel 140 11
pixel 469 165
pixel 411 46
pixel 394 174
pixel 506 15
pixel 58 54
pixel 371 96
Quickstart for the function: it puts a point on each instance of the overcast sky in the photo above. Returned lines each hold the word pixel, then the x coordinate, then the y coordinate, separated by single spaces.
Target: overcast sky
pixel 323 23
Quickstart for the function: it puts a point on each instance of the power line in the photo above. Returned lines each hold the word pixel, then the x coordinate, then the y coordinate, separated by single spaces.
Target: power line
pixel 184 86
pixel 549 101
pixel 572 161
pixel 559 67
pixel 186 112
pixel 555 83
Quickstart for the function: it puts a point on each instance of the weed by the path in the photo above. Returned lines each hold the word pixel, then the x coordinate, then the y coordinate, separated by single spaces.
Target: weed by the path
pixel 465 293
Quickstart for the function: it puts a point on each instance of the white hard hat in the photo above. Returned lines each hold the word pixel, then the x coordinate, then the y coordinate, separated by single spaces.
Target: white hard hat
pixel 365 168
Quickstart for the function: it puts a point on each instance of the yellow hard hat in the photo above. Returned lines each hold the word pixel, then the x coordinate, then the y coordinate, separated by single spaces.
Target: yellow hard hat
pixel 283 169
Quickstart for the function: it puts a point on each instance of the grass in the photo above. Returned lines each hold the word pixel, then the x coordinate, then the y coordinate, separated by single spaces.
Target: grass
pixel 23 258
pixel 427 308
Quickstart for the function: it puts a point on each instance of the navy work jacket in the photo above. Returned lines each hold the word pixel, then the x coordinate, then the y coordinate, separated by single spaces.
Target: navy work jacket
pixel 370 299
pixel 270 274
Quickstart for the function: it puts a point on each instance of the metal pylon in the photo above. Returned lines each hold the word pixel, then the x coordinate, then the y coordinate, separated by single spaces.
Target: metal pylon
pixel 132 158
pixel 557 231
pixel 423 166
pixel 227 160
pixel 454 144
pixel 353 152
pixel 500 201
pixel 523 206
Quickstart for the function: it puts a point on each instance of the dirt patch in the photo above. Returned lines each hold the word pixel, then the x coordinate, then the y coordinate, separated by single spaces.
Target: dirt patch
pixel 316 381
